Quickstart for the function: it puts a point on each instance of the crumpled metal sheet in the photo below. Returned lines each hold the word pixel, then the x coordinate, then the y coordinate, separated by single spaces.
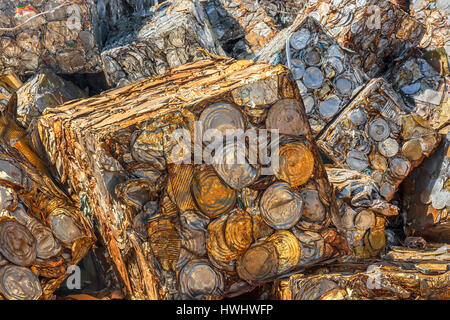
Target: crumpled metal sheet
pixel 376 135
pixel 148 208
pixel 424 90
pixel 8 84
pixel 434 15
pixel 242 27
pixel 337 77
pixel 377 30
pixel 172 35
pixel 363 211
pixel 426 195
pixel 35 211
pixel 408 274
pixel 35 35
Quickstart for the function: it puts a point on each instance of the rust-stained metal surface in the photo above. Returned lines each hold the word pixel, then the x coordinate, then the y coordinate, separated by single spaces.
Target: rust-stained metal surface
pixel 407 274
pixel 327 75
pixel 190 231
pixel 42 232
pixel 426 194
pixel 375 135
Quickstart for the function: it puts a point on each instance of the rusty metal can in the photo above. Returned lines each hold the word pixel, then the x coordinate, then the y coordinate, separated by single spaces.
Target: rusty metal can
pixel 19 283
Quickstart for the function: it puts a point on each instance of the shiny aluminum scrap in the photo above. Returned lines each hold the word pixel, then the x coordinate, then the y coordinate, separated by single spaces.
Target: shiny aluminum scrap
pixel 426 194
pixel 198 230
pixel 327 75
pixel 57 34
pixel 363 211
pixel 434 14
pixel 42 233
pixel 242 27
pixel 376 136
pixel 424 91
pixel 174 34
pixel 42 91
pixel 377 30
pixel 407 274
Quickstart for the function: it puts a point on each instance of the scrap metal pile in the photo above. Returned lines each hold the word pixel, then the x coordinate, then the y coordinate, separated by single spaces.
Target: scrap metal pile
pixel 208 149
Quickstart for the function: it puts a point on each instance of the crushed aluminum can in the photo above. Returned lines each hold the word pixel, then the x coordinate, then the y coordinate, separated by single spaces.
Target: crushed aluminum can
pixel 401 274
pixel 173 35
pixel 202 230
pixel 54 34
pixel 376 30
pixel 424 91
pixel 242 27
pixel 426 194
pixel 327 75
pixel 53 234
pixel 434 16
pixel 375 135
pixel 363 211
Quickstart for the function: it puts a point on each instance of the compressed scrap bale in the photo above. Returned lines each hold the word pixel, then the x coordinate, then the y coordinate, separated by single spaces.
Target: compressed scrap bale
pixel 61 35
pixel 242 27
pixel 173 35
pixel 44 90
pixel 42 232
pixel 424 91
pixel 377 30
pixel 284 12
pixel 434 16
pixel 197 230
pixel 8 84
pixel 363 211
pixel 426 194
pixel 327 75
pixel 376 135
pixel 404 274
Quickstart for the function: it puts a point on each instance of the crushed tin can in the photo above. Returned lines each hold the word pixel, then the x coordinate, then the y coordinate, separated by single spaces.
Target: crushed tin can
pixel 198 225
pixel 242 27
pixel 378 31
pixel 424 91
pixel 42 232
pixel 174 34
pixel 363 211
pixel 434 16
pixel 403 273
pixel 376 135
pixel 326 74
pixel 426 194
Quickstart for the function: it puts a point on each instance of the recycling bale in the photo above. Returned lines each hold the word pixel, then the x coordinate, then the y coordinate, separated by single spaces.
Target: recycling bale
pixel 242 27
pixel 403 274
pixel 43 234
pixel 173 34
pixel 184 217
pixel 376 135
pixel 327 75
pixel 426 196
pixel 424 90
pixel 377 30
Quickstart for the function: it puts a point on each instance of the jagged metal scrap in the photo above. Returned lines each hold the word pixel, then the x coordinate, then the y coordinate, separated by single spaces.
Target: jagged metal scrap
pixel 169 37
